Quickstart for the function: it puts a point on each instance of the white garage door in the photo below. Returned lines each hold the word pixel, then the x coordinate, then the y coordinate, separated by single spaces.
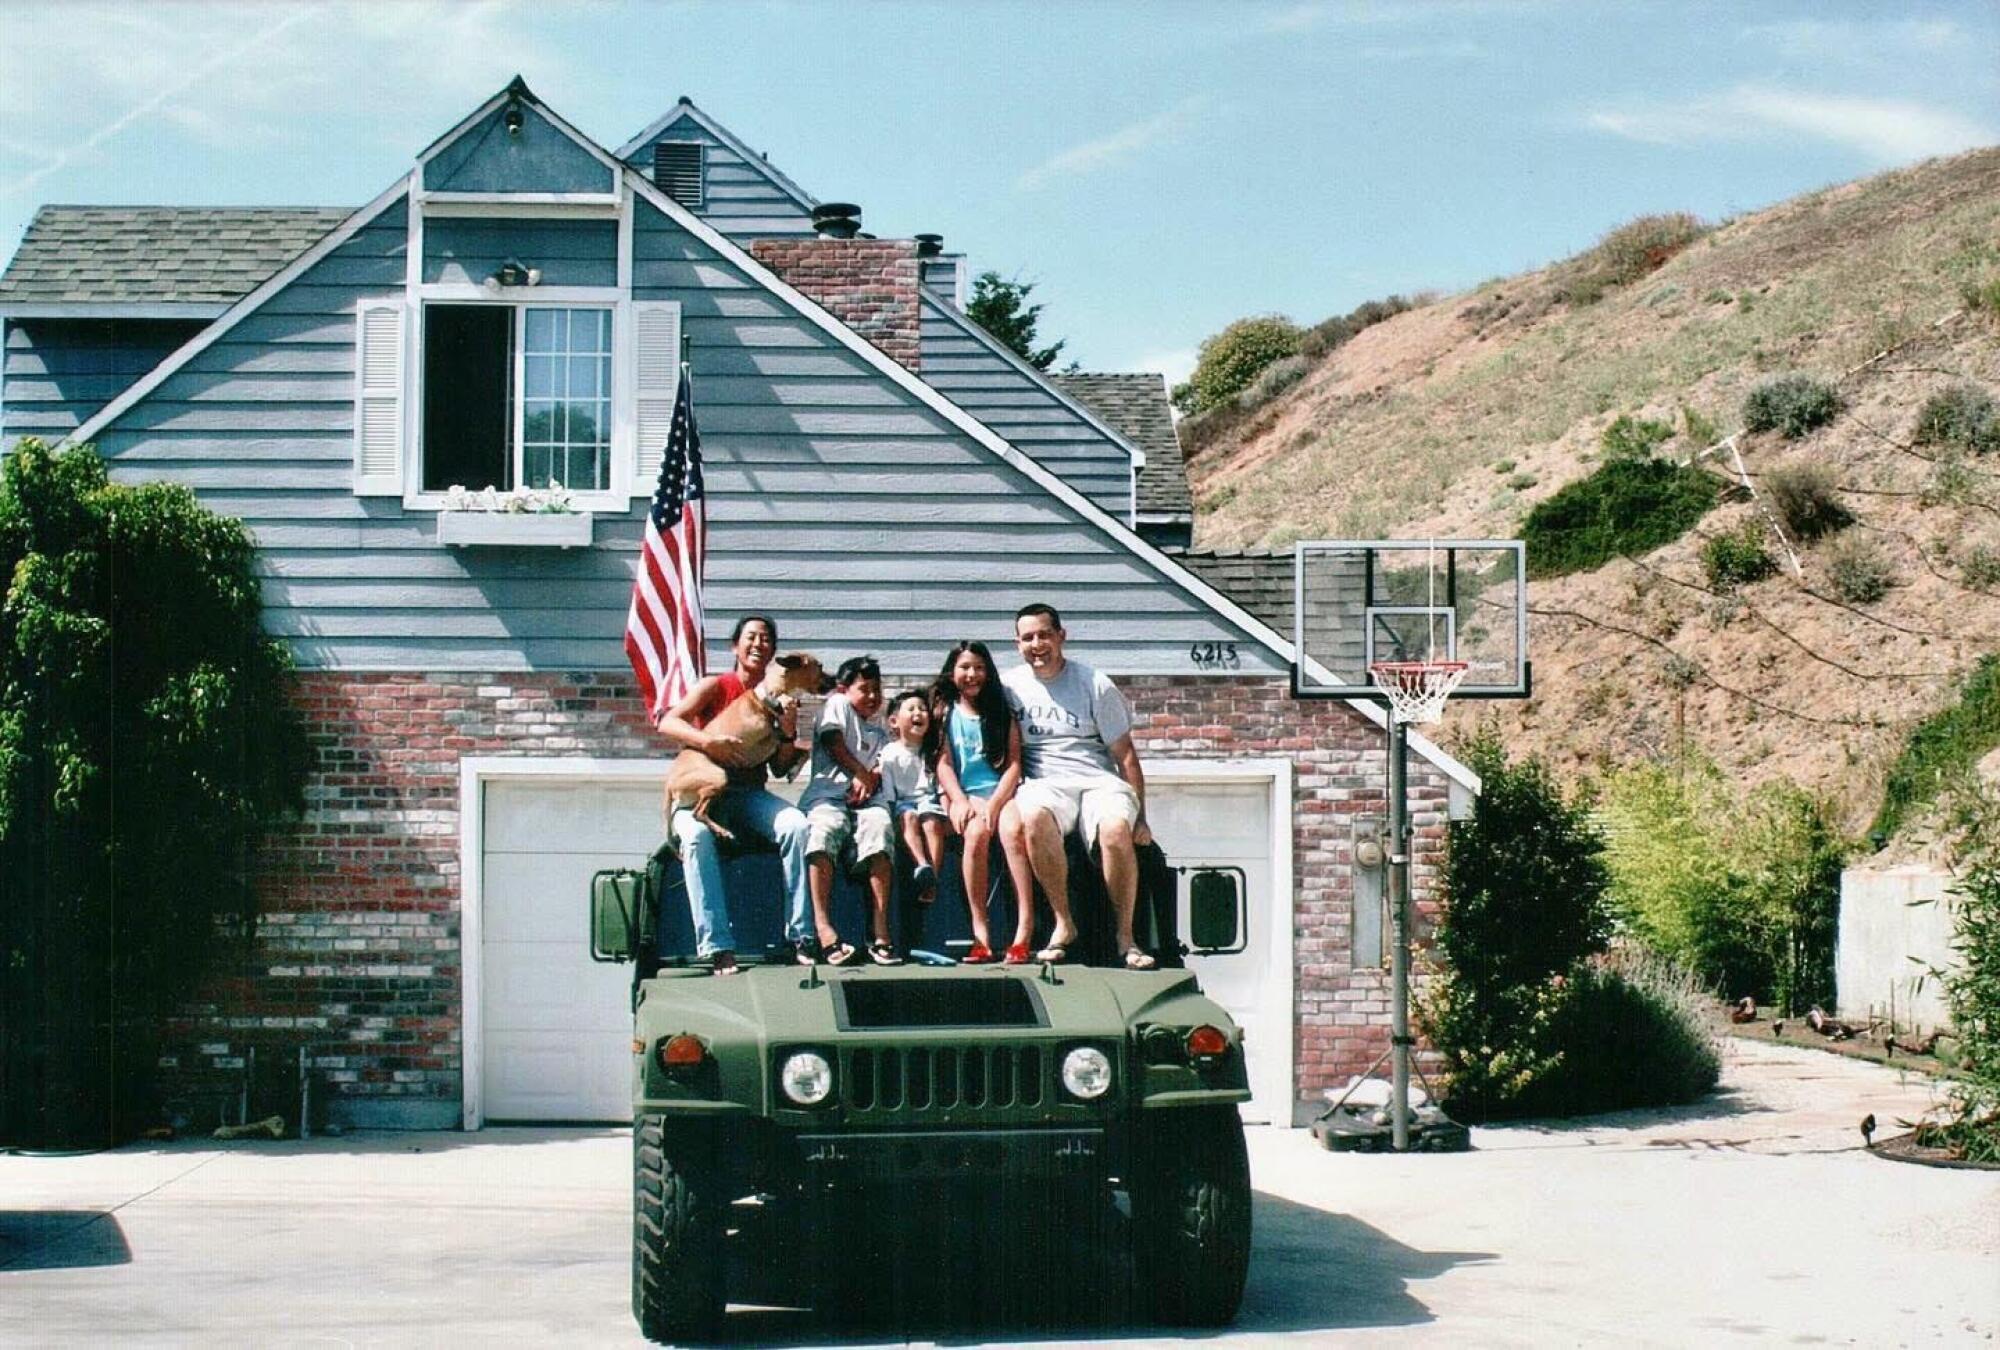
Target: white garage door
pixel 557 1025
pixel 1198 822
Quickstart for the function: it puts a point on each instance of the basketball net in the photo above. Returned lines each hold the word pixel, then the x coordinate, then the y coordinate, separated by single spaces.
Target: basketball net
pixel 1418 690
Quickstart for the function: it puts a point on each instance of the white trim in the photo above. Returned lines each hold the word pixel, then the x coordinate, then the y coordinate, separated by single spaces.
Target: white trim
pixel 1007 354
pixel 685 108
pixel 239 311
pixel 1279 1008
pixel 474 772
pixel 603 201
pixel 471 292
pixel 1166 518
pixel 518 208
pixel 114 309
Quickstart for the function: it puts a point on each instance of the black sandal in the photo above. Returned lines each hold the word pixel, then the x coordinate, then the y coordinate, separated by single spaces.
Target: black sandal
pixel 884 953
pixel 841 954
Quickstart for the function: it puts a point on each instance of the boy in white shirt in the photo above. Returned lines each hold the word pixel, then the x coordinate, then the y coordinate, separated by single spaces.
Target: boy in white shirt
pixel 909 790
pixel 840 804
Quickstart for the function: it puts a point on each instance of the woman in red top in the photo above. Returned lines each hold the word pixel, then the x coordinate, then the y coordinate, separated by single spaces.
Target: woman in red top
pixel 746 807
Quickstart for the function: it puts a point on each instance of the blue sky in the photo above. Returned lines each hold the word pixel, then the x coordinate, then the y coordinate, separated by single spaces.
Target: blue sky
pixel 1158 169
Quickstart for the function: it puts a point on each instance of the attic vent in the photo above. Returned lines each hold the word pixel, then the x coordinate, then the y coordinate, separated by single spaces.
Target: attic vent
pixel 677 171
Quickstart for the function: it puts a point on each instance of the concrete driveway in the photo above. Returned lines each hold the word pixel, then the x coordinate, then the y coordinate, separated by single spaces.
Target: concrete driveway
pixel 1754 1217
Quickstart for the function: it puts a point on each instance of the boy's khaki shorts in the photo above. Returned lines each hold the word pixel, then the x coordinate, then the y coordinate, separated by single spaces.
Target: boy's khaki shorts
pixel 1080 802
pixel 829 825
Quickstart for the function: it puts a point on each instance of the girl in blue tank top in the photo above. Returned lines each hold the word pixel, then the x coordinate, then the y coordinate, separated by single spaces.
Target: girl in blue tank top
pixel 974 749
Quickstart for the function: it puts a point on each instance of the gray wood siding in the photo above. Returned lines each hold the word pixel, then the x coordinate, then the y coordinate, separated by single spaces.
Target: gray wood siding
pixel 55 373
pixel 738 196
pixel 959 364
pixel 541 157
pixel 838 502
pixel 567 252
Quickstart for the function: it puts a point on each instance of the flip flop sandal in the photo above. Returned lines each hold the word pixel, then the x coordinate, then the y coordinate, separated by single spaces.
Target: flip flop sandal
pixel 842 954
pixel 1017 954
pixel 980 955
pixel 1137 959
pixel 1053 955
pixel 884 954
pixel 807 952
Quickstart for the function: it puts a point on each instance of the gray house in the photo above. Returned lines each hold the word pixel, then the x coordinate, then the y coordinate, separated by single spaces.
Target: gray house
pixel 883 476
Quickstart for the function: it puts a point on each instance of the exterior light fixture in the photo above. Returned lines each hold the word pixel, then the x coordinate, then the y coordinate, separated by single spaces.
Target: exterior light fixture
pixel 513 119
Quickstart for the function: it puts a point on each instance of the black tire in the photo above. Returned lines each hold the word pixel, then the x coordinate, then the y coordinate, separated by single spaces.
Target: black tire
pixel 677 1257
pixel 1191 1217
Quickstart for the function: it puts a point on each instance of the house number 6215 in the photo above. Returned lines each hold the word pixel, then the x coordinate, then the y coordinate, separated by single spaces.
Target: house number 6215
pixel 1215 656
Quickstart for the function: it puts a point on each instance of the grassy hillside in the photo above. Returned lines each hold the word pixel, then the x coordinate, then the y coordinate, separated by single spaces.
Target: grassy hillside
pixel 1458 417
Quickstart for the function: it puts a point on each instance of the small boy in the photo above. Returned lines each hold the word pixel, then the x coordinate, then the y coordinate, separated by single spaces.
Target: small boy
pixel 839 802
pixel 909 790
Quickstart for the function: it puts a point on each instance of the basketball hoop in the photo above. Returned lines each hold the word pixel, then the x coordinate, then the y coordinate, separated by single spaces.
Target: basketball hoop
pixel 1417 690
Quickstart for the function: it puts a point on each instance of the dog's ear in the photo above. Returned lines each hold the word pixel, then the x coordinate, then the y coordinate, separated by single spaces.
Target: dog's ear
pixel 791 661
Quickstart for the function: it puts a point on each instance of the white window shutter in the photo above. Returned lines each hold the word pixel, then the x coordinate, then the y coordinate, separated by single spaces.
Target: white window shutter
pixel 656 360
pixel 378 398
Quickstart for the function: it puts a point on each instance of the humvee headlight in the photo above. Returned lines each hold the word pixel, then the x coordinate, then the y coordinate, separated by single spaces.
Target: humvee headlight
pixel 806 1078
pixel 1086 1073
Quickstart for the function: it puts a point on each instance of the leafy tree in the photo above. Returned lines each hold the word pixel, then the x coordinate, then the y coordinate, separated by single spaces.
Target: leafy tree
pixel 1524 907
pixel 1230 360
pixel 1969 1123
pixel 146 743
pixel 1000 306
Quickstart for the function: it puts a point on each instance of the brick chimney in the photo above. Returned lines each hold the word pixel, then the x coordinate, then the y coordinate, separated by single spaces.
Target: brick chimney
pixel 868 284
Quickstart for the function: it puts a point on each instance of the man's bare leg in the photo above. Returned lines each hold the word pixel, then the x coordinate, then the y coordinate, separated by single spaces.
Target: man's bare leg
pixel 819 876
pixel 1121 877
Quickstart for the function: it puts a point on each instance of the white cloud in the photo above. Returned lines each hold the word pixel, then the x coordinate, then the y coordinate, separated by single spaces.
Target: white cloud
pixel 1888 131
pixel 1175 363
pixel 1106 151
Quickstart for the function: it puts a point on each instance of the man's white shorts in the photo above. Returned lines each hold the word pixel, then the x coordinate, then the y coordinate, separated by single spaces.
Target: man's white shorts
pixel 829 825
pixel 1085 802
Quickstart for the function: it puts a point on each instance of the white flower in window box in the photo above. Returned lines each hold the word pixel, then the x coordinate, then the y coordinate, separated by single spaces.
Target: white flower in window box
pixel 524 518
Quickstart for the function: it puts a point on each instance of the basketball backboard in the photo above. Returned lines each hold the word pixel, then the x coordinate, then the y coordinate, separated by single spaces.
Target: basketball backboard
pixel 1357 602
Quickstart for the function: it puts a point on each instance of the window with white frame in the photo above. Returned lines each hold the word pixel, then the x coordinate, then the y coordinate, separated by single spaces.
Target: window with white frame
pixel 516 394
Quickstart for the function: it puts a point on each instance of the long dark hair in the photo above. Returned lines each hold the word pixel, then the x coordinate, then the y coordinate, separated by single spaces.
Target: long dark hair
pixel 995 722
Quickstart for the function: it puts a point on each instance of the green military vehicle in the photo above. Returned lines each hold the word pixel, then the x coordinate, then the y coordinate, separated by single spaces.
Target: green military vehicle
pixel 815 1095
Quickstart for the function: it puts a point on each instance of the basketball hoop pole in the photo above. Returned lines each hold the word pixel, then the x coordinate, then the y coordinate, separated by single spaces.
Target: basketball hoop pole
pixel 1399 922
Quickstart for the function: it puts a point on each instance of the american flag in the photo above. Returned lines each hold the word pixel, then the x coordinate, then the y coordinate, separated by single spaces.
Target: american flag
pixel 663 631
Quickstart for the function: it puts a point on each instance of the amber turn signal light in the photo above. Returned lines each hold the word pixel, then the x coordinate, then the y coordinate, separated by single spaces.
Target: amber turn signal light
pixel 1205 1044
pixel 682 1052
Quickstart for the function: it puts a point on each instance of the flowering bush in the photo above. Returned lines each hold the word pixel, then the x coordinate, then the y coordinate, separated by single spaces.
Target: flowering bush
pixel 553 500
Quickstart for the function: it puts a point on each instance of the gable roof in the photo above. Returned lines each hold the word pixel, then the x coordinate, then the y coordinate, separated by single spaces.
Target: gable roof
pixel 1263 583
pixel 155 254
pixel 686 109
pixel 1136 406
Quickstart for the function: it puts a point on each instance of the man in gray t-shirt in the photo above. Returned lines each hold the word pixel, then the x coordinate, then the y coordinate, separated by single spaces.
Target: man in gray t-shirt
pixel 1080 770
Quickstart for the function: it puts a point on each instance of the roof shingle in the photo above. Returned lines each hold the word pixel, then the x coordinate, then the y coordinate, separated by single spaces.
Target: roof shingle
pixel 113 254
pixel 1136 407
pixel 1263 583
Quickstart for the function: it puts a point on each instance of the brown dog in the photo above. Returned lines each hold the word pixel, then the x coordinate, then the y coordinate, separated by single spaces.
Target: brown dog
pixel 694 780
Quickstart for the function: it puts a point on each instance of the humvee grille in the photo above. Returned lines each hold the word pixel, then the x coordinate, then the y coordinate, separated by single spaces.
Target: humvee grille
pixel 938 1078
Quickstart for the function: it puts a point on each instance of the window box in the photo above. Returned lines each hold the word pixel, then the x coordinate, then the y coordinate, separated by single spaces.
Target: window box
pixel 515 529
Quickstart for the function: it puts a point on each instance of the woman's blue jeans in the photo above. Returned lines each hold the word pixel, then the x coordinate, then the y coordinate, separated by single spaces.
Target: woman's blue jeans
pixel 747 813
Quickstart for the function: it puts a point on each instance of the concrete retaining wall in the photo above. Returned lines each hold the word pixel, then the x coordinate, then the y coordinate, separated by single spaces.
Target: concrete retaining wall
pixel 1895 926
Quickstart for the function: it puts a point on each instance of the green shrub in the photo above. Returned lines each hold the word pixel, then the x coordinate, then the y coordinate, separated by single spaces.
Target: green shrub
pixel 1982 295
pixel 147 741
pixel 1791 405
pixel 1981 568
pixel 1328 334
pixel 1631 437
pixel 1970 1124
pixel 1964 416
pixel 1631 251
pixel 1860 572
pixel 1737 558
pixel 1624 507
pixel 1521 482
pixel 1941 748
pixel 1274 380
pixel 1701 431
pixel 1629 1031
pixel 1231 359
pixel 1523 892
pixel 1807 499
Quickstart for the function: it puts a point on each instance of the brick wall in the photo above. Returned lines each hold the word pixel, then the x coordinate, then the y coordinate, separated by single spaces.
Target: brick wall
pixel 357 955
pixel 868 284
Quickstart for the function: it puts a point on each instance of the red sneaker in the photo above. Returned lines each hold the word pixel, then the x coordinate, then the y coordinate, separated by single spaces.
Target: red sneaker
pixel 980 955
